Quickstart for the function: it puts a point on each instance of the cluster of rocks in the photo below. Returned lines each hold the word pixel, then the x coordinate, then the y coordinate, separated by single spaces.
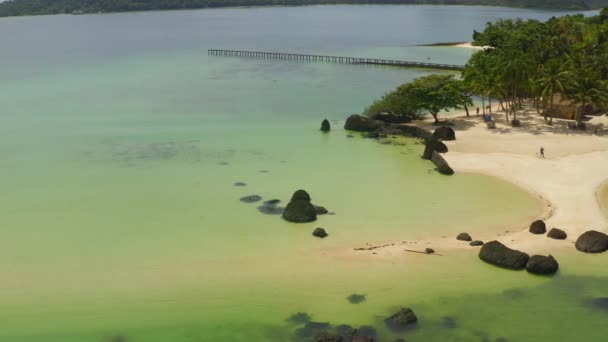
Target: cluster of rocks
pixel 325 332
pixel 497 254
pixel 539 227
pixel 466 237
pixel 301 210
pixel 386 126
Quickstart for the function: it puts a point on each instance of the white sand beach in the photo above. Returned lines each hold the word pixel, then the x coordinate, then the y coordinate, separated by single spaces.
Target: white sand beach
pixel 567 179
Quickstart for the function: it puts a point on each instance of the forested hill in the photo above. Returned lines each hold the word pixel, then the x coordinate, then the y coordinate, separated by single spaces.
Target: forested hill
pixel 37 7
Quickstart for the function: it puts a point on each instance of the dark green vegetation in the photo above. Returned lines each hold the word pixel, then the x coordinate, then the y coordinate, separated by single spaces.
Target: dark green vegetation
pixel 430 94
pixel 525 62
pixel 38 7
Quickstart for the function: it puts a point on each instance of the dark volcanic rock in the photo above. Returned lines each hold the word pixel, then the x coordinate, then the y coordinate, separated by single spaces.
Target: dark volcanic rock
pixel 540 264
pixel 557 234
pixel 538 227
pixel 320 210
pixel 464 237
pixel 319 232
pixel 444 133
pixel 325 126
pixel 497 254
pixel 299 209
pixel 476 243
pixel 361 124
pixel 402 319
pixel 327 337
pixel 592 242
pixel 429 251
pixel 431 146
pixel 356 298
pixel 251 199
pixel 391 118
pixel 442 166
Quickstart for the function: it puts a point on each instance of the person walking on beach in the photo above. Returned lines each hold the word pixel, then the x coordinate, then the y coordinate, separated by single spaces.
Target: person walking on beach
pixel 477 110
pixel 542 152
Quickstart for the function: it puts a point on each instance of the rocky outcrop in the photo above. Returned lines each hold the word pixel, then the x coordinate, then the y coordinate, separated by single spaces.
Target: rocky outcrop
pixel 497 254
pixel 360 123
pixel 433 146
pixel 540 264
pixel 391 118
pixel 442 166
pixel 476 243
pixel 445 133
pixel 592 242
pixel 464 237
pixel 538 227
pixel 319 232
pixel 356 298
pixel 299 209
pixel 402 319
pixel 416 132
pixel 557 234
pixel 325 126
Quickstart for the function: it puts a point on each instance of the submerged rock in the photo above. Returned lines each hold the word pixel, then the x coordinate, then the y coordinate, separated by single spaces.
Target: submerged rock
pixel 557 234
pixel 538 227
pixel 299 318
pixel 251 199
pixel 319 232
pixel 449 322
pixel 444 133
pixel 240 184
pixel 592 242
pixel 325 126
pixel 312 328
pixel 360 123
pixel 600 303
pixel 271 207
pixel 356 298
pixel 476 243
pixel 540 264
pixel 464 237
pixel 497 254
pixel 299 209
pixel 403 318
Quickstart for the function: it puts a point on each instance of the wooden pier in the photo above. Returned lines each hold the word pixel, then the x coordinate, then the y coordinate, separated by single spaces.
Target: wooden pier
pixel 332 59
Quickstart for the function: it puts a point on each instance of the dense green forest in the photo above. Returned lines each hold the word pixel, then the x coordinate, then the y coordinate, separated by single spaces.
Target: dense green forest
pixel 37 7
pixel 524 63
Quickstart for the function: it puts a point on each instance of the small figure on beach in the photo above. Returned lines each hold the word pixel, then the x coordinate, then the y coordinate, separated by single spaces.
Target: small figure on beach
pixel 477 110
pixel 595 131
pixel 542 152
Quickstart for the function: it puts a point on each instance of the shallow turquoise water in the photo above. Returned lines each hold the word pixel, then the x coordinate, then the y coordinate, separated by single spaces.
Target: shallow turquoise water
pixel 121 140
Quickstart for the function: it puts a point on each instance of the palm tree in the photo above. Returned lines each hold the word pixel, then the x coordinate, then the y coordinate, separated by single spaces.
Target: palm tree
pixel 552 82
pixel 586 90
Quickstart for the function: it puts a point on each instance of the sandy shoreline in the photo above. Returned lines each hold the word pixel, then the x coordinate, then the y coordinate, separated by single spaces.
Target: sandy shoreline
pixel 567 180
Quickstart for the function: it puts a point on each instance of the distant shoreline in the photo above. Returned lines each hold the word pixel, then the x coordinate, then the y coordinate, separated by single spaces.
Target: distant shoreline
pixel 11 12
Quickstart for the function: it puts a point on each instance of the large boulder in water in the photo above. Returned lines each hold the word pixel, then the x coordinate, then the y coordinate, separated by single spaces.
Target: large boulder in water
pixel 299 209
pixel 497 254
pixel 540 264
pixel 592 242
pixel 444 133
pixel 557 234
pixel 442 166
pixel 360 123
pixel 401 319
pixel 325 126
pixel 433 146
pixel 538 227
